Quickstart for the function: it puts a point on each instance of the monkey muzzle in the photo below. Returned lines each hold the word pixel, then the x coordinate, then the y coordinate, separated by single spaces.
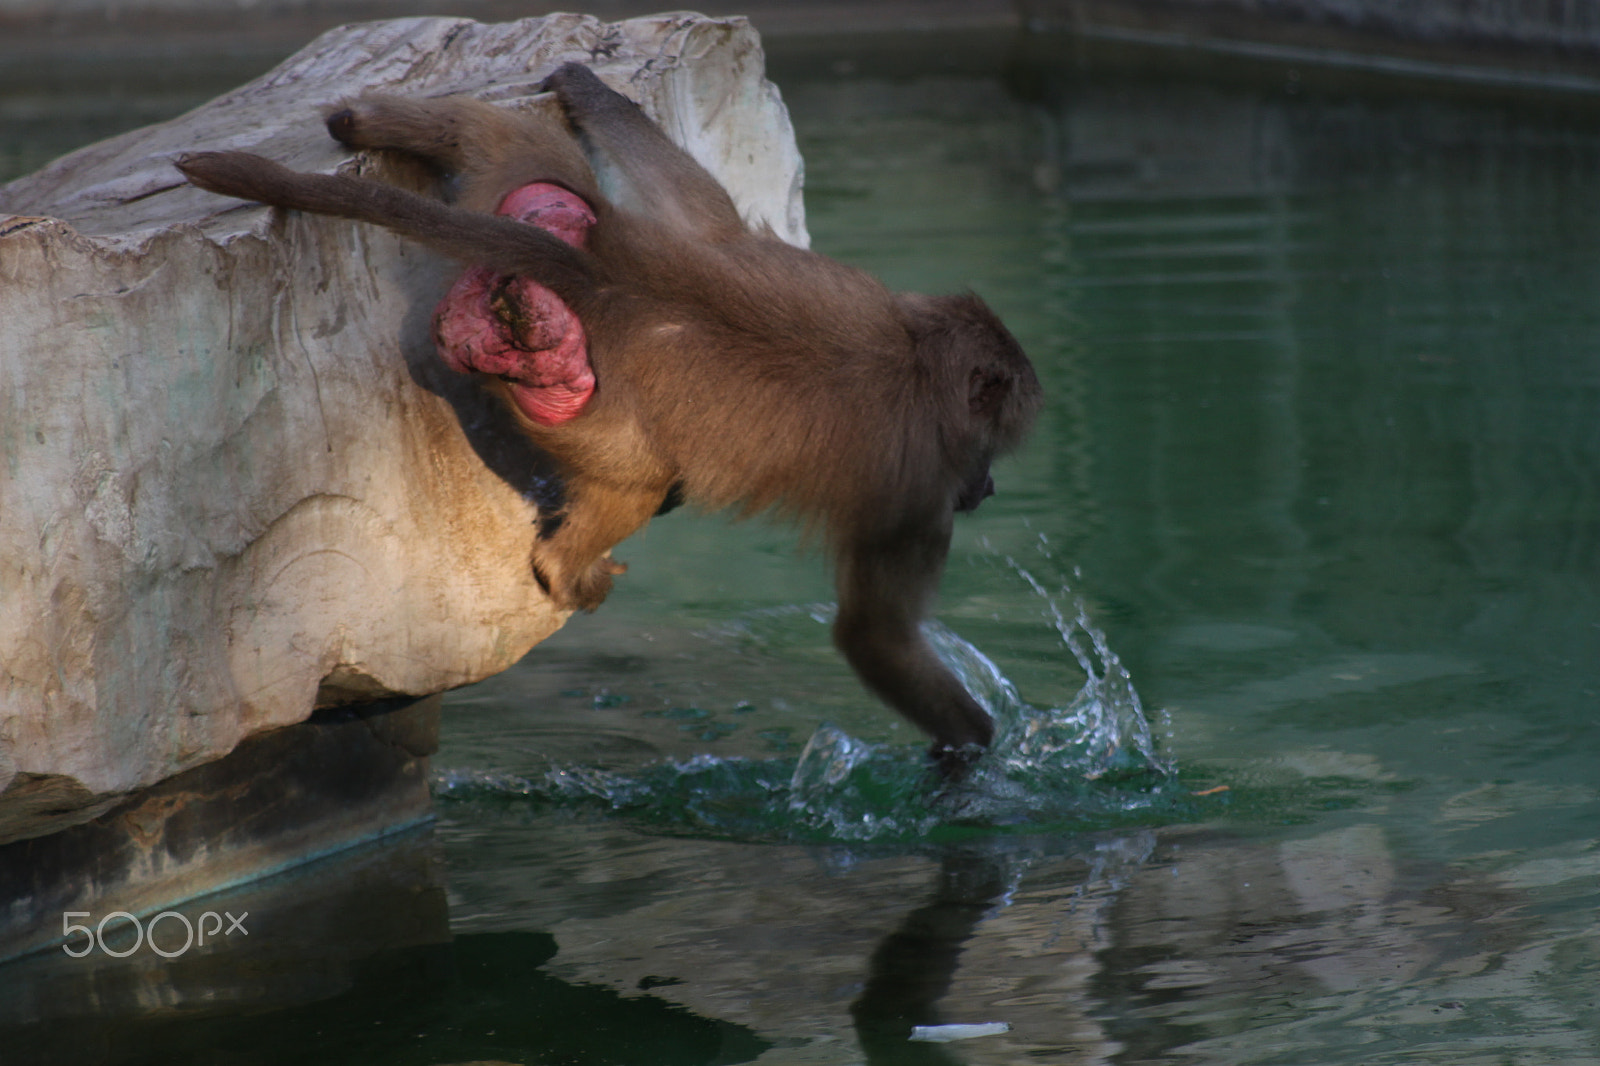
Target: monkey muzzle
pixel 976 491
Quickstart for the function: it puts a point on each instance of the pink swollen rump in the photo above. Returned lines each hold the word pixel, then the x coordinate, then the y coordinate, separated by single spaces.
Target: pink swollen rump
pixel 518 330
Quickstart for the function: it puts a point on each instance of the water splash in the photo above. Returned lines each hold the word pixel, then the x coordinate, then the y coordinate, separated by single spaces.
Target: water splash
pixel 1091 764
pixel 1104 729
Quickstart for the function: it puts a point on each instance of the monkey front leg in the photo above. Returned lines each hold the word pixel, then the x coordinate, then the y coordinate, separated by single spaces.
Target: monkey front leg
pixel 571 561
pixel 886 587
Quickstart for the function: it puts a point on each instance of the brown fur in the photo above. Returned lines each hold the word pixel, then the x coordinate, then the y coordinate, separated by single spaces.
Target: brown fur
pixel 754 374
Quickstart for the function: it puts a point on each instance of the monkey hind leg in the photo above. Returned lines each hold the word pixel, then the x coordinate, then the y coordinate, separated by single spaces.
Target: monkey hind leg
pixel 664 181
pixel 441 131
pixel 491 149
pixel 572 561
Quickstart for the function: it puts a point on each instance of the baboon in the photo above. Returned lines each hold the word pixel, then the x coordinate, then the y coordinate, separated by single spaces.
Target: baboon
pixel 729 368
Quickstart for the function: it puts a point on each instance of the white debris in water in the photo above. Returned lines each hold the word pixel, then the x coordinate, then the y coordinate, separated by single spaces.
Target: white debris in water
pixel 943 1034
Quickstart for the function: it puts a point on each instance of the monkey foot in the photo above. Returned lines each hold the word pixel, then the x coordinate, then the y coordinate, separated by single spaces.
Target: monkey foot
pixel 516 329
pixel 583 592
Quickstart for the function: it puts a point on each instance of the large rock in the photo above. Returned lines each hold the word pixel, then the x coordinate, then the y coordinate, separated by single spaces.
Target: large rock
pixel 235 483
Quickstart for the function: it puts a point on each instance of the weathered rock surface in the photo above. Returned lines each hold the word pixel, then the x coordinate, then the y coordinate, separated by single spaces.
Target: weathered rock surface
pixel 235 481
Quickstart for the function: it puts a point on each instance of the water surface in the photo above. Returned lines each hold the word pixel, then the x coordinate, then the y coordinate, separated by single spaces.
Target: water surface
pixel 1320 461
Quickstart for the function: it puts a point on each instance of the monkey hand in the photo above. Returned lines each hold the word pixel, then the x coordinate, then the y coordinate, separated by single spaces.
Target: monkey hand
pixel 954 762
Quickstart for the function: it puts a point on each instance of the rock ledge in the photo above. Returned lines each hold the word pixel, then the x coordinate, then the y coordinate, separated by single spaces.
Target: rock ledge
pixel 236 483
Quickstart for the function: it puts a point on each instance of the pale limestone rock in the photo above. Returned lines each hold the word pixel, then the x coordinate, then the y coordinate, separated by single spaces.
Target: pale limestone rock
pixel 234 479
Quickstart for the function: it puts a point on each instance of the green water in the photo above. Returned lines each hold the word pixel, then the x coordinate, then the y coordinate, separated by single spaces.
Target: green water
pixel 1316 499
pixel 1322 461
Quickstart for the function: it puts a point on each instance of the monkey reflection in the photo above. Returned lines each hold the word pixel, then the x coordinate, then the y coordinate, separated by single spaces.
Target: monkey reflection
pixel 912 968
pixel 670 350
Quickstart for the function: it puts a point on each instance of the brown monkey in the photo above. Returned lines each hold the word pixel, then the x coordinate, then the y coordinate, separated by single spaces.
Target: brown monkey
pixel 728 365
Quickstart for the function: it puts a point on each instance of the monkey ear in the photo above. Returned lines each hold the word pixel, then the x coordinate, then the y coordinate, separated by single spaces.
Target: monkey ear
pixel 961 336
pixel 987 388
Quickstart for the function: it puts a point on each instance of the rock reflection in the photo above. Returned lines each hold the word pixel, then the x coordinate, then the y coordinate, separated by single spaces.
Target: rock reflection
pixel 350 961
pixel 308 937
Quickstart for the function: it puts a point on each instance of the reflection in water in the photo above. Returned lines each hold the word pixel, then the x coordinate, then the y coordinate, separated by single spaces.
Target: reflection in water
pixel 912 968
pixel 304 937
pixel 349 961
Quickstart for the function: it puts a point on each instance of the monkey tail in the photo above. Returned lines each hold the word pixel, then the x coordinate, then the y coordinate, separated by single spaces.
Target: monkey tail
pixel 501 244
